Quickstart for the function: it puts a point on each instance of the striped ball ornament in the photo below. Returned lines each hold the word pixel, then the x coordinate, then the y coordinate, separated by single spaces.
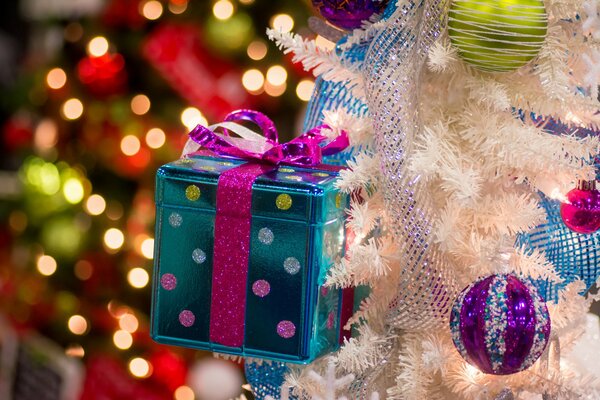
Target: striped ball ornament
pixel 500 324
pixel 497 35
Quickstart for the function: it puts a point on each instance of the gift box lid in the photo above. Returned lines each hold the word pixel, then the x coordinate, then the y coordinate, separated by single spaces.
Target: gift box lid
pixel 303 194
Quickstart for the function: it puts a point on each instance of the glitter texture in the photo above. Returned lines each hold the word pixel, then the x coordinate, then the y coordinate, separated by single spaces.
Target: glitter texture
pixel 286 329
pixel 287 170
pixel 192 193
pixel 392 66
pixel 261 288
pixel 320 174
pixel 199 256
pixel 500 324
pixel 187 318
pixel 291 265
pixel 295 178
pixel 283 201
pixel 266 236
pixel 168 281
pixel 175 220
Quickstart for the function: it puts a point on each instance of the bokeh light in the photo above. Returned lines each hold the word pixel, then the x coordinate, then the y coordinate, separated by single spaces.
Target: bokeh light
pixel 46 265
pixel 178 7
pixel 114 239
pixel 73 190
pixel 191 116
pixel 77 324
pixel 152 9
pixel 257 50
pixel 304 89
pixel 253 80
pixel 184 393
pixel 140 104
pixel 56 78
pixel 138 278
pixel 276 75
pixel 95 204
pixel 72 109
pixel 140 368
pixel 130 145
pixel 223 9
pixel 75 350
pixel 282 22
pixel 147 248
pixel 122 339
pixel 155 138
pixel 46 134
pixel 275 91
pixel 98 46
pixel 128 322
pixel 84 270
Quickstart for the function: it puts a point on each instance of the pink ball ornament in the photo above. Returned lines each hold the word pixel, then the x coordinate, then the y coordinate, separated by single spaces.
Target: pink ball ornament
pixel 581 211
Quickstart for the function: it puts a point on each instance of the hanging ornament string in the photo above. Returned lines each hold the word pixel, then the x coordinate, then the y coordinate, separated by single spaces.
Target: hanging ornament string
pixel 392 72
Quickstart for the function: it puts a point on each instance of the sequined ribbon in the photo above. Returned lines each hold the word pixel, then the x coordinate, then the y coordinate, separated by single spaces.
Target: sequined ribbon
pixel 234 200
pixel 392 70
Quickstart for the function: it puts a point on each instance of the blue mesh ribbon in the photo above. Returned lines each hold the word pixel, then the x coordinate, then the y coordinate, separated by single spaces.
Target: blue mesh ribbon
pixel 266 378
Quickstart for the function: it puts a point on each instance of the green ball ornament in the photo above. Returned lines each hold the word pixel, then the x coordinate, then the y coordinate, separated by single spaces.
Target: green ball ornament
pixel 497 35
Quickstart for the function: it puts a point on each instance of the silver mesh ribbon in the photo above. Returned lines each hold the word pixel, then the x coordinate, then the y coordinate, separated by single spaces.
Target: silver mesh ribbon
pixel 392 69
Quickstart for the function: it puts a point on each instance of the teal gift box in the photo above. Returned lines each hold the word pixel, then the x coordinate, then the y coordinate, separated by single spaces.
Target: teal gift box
pixel 278 308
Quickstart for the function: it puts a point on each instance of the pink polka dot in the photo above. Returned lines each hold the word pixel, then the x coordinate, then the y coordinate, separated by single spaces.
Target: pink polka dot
pixel 286 329
pixel 261 288
pixel 331 320
pixel 168 281
pixel 324 291
pixel 187 318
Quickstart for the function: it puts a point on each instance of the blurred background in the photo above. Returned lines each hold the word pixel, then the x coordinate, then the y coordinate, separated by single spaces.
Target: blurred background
pixel 96 95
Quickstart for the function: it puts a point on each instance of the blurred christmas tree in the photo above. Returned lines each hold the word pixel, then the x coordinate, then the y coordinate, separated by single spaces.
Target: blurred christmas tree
pixel 96 95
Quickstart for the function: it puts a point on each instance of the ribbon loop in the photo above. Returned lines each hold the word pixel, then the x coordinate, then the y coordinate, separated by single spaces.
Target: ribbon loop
pixel 303 151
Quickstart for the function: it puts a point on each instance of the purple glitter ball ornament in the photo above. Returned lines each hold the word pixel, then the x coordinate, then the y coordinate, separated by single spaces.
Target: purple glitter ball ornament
pixel 500 324
pixel 581 211
pixel 348 14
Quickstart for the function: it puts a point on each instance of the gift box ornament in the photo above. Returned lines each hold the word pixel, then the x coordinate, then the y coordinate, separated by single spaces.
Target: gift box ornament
pixel 246 230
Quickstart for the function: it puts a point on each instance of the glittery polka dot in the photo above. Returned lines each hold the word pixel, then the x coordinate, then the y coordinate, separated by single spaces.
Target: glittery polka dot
pixel 266 236
pixel 286 170
pixel 283 201
pixel 199 256
pixel 286 329
pixel 187 318
pixel 175 220
pixel 168 281
pixel 292 178
pixel 261 288
pixel 324 291
pixel 192 193
pixel 331 320
pixel 291 265
pixel 320 174
pixel 338 200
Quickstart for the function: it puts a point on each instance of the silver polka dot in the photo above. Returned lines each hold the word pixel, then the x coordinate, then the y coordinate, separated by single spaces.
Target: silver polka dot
pixel 198 256
pixel 175 220
pixel 291 265
pixel 266 236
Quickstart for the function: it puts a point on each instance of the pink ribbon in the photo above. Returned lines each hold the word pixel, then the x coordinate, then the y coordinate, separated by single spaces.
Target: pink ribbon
pixel 231 250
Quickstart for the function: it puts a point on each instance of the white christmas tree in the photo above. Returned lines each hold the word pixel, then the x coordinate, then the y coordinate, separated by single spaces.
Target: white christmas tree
pixel 451 168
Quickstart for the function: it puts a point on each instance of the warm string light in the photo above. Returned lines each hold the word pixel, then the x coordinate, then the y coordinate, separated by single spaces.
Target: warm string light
pixel 56 78
pixel 114 239
pixel 95 204
pixel 253 81
pixel 257 50
pixel 130 145
pixel 46 265
pixel 151 10
pixel 75 350
pixel 73 190
pixel 140 104
pixel 140 368
pixel 223 9
pixel 138 278
pixel 147 248
pixel 155 138
pixel 178 7
pixel 122 339
pixel 46 134
pixel 98 46
pixel 191 116
pixel 77 324
pixel 304 89
pixel 282 22
pixel 72 109
pixel 128 322
pixel 276 75
pixel 83 270
pixel 184 393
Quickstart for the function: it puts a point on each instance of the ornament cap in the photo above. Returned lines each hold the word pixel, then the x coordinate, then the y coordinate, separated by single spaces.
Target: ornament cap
pixel 586 185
